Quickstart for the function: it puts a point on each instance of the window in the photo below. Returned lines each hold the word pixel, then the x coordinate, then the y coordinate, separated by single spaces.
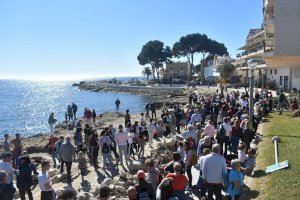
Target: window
pixel 275 71
pixel 280 80
pixel 270 71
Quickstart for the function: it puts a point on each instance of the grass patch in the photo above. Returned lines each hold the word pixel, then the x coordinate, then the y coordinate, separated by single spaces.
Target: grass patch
pixel 284 184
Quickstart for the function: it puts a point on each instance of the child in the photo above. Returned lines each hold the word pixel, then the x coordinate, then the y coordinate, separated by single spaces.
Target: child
pixel 45 183
pixel 82 164
pixel 242 156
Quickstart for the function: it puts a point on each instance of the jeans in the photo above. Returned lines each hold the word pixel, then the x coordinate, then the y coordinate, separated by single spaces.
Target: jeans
pixel 226 142
pixel 107 158
pixel 189 174
pixel 153 113
pixel 23 191
pixel 95 152
pixel 122 152
pixel 234 144
pixel 51 127
pixel 68 166
pixel 54 156
pixel 214 189
pixel 141 148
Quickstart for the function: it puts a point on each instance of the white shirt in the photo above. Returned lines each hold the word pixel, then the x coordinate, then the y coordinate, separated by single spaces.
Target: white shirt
pixel 196 117
pixel 130 137
pixel 44 178
pixel 228 128
pixel 9 171
pixel 242 156
pixel 188 134
pixel 201 162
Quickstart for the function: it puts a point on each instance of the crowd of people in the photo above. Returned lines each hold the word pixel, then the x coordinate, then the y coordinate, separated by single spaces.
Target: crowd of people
pixel 212 133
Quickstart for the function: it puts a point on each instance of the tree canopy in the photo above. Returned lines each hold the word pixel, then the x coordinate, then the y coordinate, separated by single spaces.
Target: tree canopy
pixel 198 43
pixel 154 53
pixel 147 72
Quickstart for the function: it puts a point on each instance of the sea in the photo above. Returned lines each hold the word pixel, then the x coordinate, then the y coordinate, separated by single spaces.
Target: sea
pixel 25 105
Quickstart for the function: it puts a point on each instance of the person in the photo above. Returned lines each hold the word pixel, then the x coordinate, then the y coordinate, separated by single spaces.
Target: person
pixel 153 176
pixel 147 108
pixel 87 133
pixel 209 129
pixel 281 101
pixel 196 118
pixel 164 190
pixel 6 144
pixel 150 129
pixel 141 141
pixel 180 149
pixel 74 109
pixel 51 122
pixel 131 193
pixel 206 144
pixel 5 165
pixel 82 164
pixel 105 144
pixel 70 112
pixel 131 136
pixel 104 192
pixel 143 188
pixel 153 110
pixel 188 156
pixel 179 180
pixel 87 116
pixel 142 118
pixel 127 118
pixel 190 133
pixel 250 162
pixel 57 148
pixel 7 190
pixel 247 135
pixel 121 142
pixel 78 137
pixel 18 148
pixel 117 102
pixel 236 180
pixel 111 133
pixel 294 105
pixel 227 128
pixel 242 156
pixel 94 147
pixel 206 151
pixel 214 170
pixel 51 145
pixel 45 184
pixel 94 115
pixel 169 168
pixel 67 151
pixel 236 133
pixel 24 178
pixel 172 123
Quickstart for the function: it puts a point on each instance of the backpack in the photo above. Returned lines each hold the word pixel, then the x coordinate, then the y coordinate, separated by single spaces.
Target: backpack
pixel 221 134
pixel 143 194
pixel 105 148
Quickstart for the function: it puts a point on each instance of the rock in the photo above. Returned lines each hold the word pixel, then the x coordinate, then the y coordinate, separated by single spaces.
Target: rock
pixel 107 181
pixel 52 172
pixel 120 189
pixel 37 159
pixel 170 143
pixel 66 193
pixel 58 178
pixel 135 165
pixel 83 196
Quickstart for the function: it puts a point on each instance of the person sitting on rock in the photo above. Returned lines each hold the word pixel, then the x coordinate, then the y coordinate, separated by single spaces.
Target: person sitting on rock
pixel 143 188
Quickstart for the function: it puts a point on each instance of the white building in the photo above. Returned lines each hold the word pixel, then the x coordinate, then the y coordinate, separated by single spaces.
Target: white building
pixel 178 70
pixel 210 71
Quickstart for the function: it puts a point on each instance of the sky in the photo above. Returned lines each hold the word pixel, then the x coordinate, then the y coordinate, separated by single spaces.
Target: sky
pixel 65 39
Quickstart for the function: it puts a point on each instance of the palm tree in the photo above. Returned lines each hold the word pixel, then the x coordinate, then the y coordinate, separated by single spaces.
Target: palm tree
pixel 147 72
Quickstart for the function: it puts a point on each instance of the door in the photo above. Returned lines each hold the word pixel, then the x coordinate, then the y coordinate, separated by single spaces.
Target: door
pixel 286 82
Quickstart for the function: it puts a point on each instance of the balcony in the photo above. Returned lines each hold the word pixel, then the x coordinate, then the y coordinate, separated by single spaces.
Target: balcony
pixel 257 52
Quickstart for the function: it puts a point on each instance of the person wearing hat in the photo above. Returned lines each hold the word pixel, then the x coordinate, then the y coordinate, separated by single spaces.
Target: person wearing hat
pixel 143 188
pixel 6 166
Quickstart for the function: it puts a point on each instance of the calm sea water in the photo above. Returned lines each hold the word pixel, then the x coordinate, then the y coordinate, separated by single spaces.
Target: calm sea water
pixel 25 105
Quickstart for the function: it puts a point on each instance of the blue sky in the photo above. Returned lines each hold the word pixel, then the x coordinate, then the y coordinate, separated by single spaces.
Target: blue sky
pixel 94 38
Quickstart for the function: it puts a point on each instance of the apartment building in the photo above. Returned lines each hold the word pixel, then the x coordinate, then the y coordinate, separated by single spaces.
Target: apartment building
pixel 282 42
pixel 178 70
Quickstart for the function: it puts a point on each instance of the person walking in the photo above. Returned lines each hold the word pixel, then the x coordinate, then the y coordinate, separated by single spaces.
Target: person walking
pixel 94 115
pixel 67 151
pixel 70 113
pixel 121 141
pixel 95 148
pixel 78 137
pixel 153 110
pixel 281 101
pixel 236 134
pixel 214 170
pixel 117 103
pixel 105 144
pixel 52 151
pixel 45 184
pixel 127 118
pixel 74 109
pixel 57 149
pixel 51 122
pixel 24 178
pixel 188 156
pixel 151 129
pixel 236 180
pixel 87 116
pixel 82 164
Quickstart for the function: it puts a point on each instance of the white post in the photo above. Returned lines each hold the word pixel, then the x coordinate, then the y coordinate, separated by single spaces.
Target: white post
pixel 276 151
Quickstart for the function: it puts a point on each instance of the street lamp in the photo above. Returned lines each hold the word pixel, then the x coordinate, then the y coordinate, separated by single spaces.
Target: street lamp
pixel 252 63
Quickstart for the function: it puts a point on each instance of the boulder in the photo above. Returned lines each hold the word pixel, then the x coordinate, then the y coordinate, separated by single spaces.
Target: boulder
pixel 58 178
pixel 66 193
pixel 52 172
pixel 107 181
pixel 135 165
pixel 83 196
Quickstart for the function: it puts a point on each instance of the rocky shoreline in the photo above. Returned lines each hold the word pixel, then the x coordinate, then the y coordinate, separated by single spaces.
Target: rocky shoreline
pixel 151 91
